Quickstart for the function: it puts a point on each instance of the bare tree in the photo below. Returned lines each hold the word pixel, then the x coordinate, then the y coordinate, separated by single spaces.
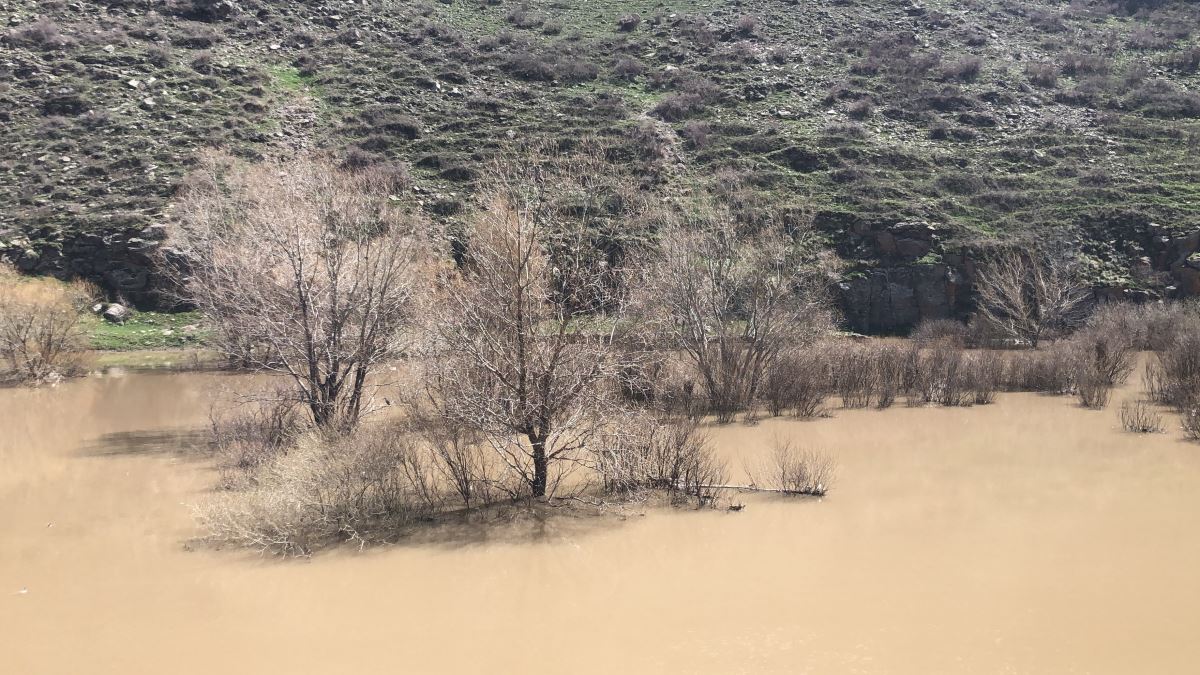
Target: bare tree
pixel 522 347
pixel 305 270
pixel 731 303
pixel 1031 295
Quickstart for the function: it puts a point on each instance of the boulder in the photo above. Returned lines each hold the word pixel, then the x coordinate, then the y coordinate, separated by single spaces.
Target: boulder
pixel 117 313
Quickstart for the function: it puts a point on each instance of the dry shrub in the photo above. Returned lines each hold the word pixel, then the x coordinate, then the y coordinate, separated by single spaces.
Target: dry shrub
pixel 40 336
pixel 798 383
pixel 797 472
pixel 932 331
pixel 1048 371
pixel 463 462
pixel 651 454
pixel 41 33
pixel 948 378
pixel 678 395
pixel 1189 419
pixel 854 374
pixel 1103 351
pixel 1093 390
pixel 889 373
pixel 323 490
pixel 1147 327
pixel 1140 418
pixel 985 372
pixel 258 431
pixel 1173 375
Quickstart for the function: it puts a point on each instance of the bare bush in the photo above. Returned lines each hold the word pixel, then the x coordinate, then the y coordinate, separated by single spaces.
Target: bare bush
pixel 463 460
pixel 1093 390
pixel 361 487
pixel 335 270
pixel 932 331
pixel 731 304
pixel 41 33
pixel 985 372
pixel 1173 374
pixel 798 383
pixel 1048 370
pixel 854 374
pixel 1108 354
pixel 40 336
pixel 949 380
pixel 791 470
pixel 1138 417
pixel 1031 295
pixel 1042 74
pixel 1189 419
pixel 251 433
pixel 889 365
pixel 650 454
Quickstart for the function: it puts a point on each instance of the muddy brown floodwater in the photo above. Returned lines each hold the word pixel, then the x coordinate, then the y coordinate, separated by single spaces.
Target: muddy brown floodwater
pixel 1028 536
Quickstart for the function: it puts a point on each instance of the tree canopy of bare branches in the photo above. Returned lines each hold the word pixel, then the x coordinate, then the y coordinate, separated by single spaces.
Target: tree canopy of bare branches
pixel 1031 295
pixel 304 269
pixel 732 303
pixel 523 330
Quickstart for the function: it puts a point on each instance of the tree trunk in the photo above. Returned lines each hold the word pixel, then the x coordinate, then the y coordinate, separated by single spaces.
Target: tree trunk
pixel 540 469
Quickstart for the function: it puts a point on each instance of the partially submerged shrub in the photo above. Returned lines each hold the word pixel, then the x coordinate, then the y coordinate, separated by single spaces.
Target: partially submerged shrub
pixel 362 487
pixel 793 471
pixel 889 373
pixel 254 432
pixel 985 372
pixel 40 336
pixel 949 380
pixel 798 383
pixel 650 454
pixel 1138 417
pixel 1173 374
pixel 1189 419
pixel 854 375
pixel 1093 390
pixel 1048 371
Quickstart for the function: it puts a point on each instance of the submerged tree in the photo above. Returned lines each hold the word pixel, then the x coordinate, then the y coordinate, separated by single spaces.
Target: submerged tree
pixel 1031 295
pixel 522 347
pixel 305 270
pixel 732 303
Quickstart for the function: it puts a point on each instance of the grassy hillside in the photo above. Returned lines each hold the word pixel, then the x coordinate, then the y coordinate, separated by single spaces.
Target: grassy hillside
pixel 874 119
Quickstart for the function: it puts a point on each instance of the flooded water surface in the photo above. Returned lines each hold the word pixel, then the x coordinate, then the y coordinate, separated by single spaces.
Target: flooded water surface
pixel 1028 536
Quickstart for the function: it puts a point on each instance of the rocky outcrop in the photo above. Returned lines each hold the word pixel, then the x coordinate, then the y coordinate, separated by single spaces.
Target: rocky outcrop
pixel 917 279
pixel 121 263
pixel 893 299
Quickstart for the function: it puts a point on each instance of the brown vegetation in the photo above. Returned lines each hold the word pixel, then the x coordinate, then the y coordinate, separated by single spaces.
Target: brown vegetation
pixel 40 338
pixel 1031 295
pixel 1138 417
pixel 305 270
pixel 732 304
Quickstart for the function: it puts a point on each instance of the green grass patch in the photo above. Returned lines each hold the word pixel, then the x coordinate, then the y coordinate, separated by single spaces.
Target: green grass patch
pixel 147 330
